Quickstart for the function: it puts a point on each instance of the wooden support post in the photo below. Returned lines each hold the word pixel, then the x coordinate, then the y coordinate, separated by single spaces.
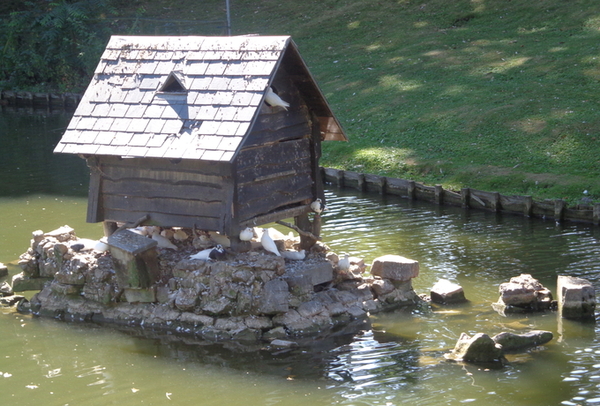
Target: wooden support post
pixel 527 205
pixel 465 197
pixel 495 202
pixel 340 179
pixel 596 215
pixel 362 184
pixel 383 185
pixel 410 191
pixel 559 210
pixel 439 194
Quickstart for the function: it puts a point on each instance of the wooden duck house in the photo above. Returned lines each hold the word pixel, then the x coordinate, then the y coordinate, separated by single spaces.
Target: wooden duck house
pixel 178 129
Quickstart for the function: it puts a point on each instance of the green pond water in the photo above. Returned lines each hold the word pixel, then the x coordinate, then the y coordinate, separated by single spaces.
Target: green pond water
pixel 397 359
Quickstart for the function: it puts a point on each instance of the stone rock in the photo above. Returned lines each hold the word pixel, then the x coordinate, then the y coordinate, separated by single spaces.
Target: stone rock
pixel 382 287
pixel 29 264
pixel 62 234
pixel 65 290
pixel 479 348
pixel 258 322
pixel 99 292
pixel 395 267
pixel 3 270
pixel 140 295
pixel 317 273
pixel 5 289
pixel 294 323
pixel 283 343
pixel 310 309
pixel 512 342
pixel 523 294
pixel 21 283
pixel 446 292
pixel 274 333
pixel 218 306
pixel 274 298
pixel 197 319
pixel 186 299
pixel 576 298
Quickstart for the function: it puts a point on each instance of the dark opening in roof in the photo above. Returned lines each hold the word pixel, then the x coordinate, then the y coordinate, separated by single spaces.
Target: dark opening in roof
pixel 173 84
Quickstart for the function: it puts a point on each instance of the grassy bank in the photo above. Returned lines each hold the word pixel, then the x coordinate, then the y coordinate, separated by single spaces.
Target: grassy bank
pixel 495 95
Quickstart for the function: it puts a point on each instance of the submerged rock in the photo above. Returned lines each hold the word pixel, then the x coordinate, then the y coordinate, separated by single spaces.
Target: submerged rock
pixel 479 348
pixel 512 342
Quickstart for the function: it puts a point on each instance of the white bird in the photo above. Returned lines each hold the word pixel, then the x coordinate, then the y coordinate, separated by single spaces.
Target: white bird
pixel 268 244
pixel 163 242
pixel 344 263
pixel 209 253
pixel 274 100
pixel 180 235
pixel 295 255
pixel 247 234
pixel 317 206
pixel 86 244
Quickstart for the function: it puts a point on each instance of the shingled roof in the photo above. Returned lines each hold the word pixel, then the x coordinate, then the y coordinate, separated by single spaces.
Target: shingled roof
pixel 183 97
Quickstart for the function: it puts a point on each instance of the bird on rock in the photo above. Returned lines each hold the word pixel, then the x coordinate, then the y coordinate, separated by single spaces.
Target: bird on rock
pixel 294 255
pixel 317 206
pixel 344 263
pixel 247 234
pixel 180 235
pixel 268 244
pixel 209 253
pixel 163 242
pixel 274 100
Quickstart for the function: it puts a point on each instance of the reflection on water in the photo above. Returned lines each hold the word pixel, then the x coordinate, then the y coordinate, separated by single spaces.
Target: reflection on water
pixel 396 359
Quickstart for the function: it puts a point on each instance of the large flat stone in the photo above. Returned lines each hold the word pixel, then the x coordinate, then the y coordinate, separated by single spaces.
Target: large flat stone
pixel 395 267
pixel 576 297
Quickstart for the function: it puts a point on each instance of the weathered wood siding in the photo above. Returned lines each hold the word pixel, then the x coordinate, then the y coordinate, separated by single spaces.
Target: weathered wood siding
pixel 273 168
pixel 186 193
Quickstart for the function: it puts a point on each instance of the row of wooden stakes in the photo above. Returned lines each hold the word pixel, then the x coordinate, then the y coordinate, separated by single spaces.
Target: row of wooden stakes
pixel 468 198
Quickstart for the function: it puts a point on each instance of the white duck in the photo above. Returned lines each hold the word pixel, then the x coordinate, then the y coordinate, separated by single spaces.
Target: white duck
pixel 268 244
pixel 294 255
pixel 163 242
pixel 274 100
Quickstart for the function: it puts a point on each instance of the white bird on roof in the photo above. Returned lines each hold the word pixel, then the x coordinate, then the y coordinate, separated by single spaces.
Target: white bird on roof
pixel 268 244
pixel 317 206
pixel 163 242
pixel 274 100
pixel 294 255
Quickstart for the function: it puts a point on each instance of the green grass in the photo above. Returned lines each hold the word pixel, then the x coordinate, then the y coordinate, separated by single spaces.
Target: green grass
pixel 494 95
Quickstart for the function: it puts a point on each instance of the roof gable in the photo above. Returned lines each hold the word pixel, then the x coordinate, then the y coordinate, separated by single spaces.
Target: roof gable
pixel 175 97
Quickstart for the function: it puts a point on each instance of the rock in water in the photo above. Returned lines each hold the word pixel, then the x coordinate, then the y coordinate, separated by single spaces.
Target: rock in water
pixel 446 292
pixel 512 342
pixel 479 348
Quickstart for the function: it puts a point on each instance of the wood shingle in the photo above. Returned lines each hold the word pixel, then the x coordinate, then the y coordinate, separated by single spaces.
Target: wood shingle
pixel 223 80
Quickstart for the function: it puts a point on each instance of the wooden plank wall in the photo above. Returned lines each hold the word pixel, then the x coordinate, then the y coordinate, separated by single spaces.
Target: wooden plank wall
pixel 469 198
pixel 186 193
pixel 273 168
